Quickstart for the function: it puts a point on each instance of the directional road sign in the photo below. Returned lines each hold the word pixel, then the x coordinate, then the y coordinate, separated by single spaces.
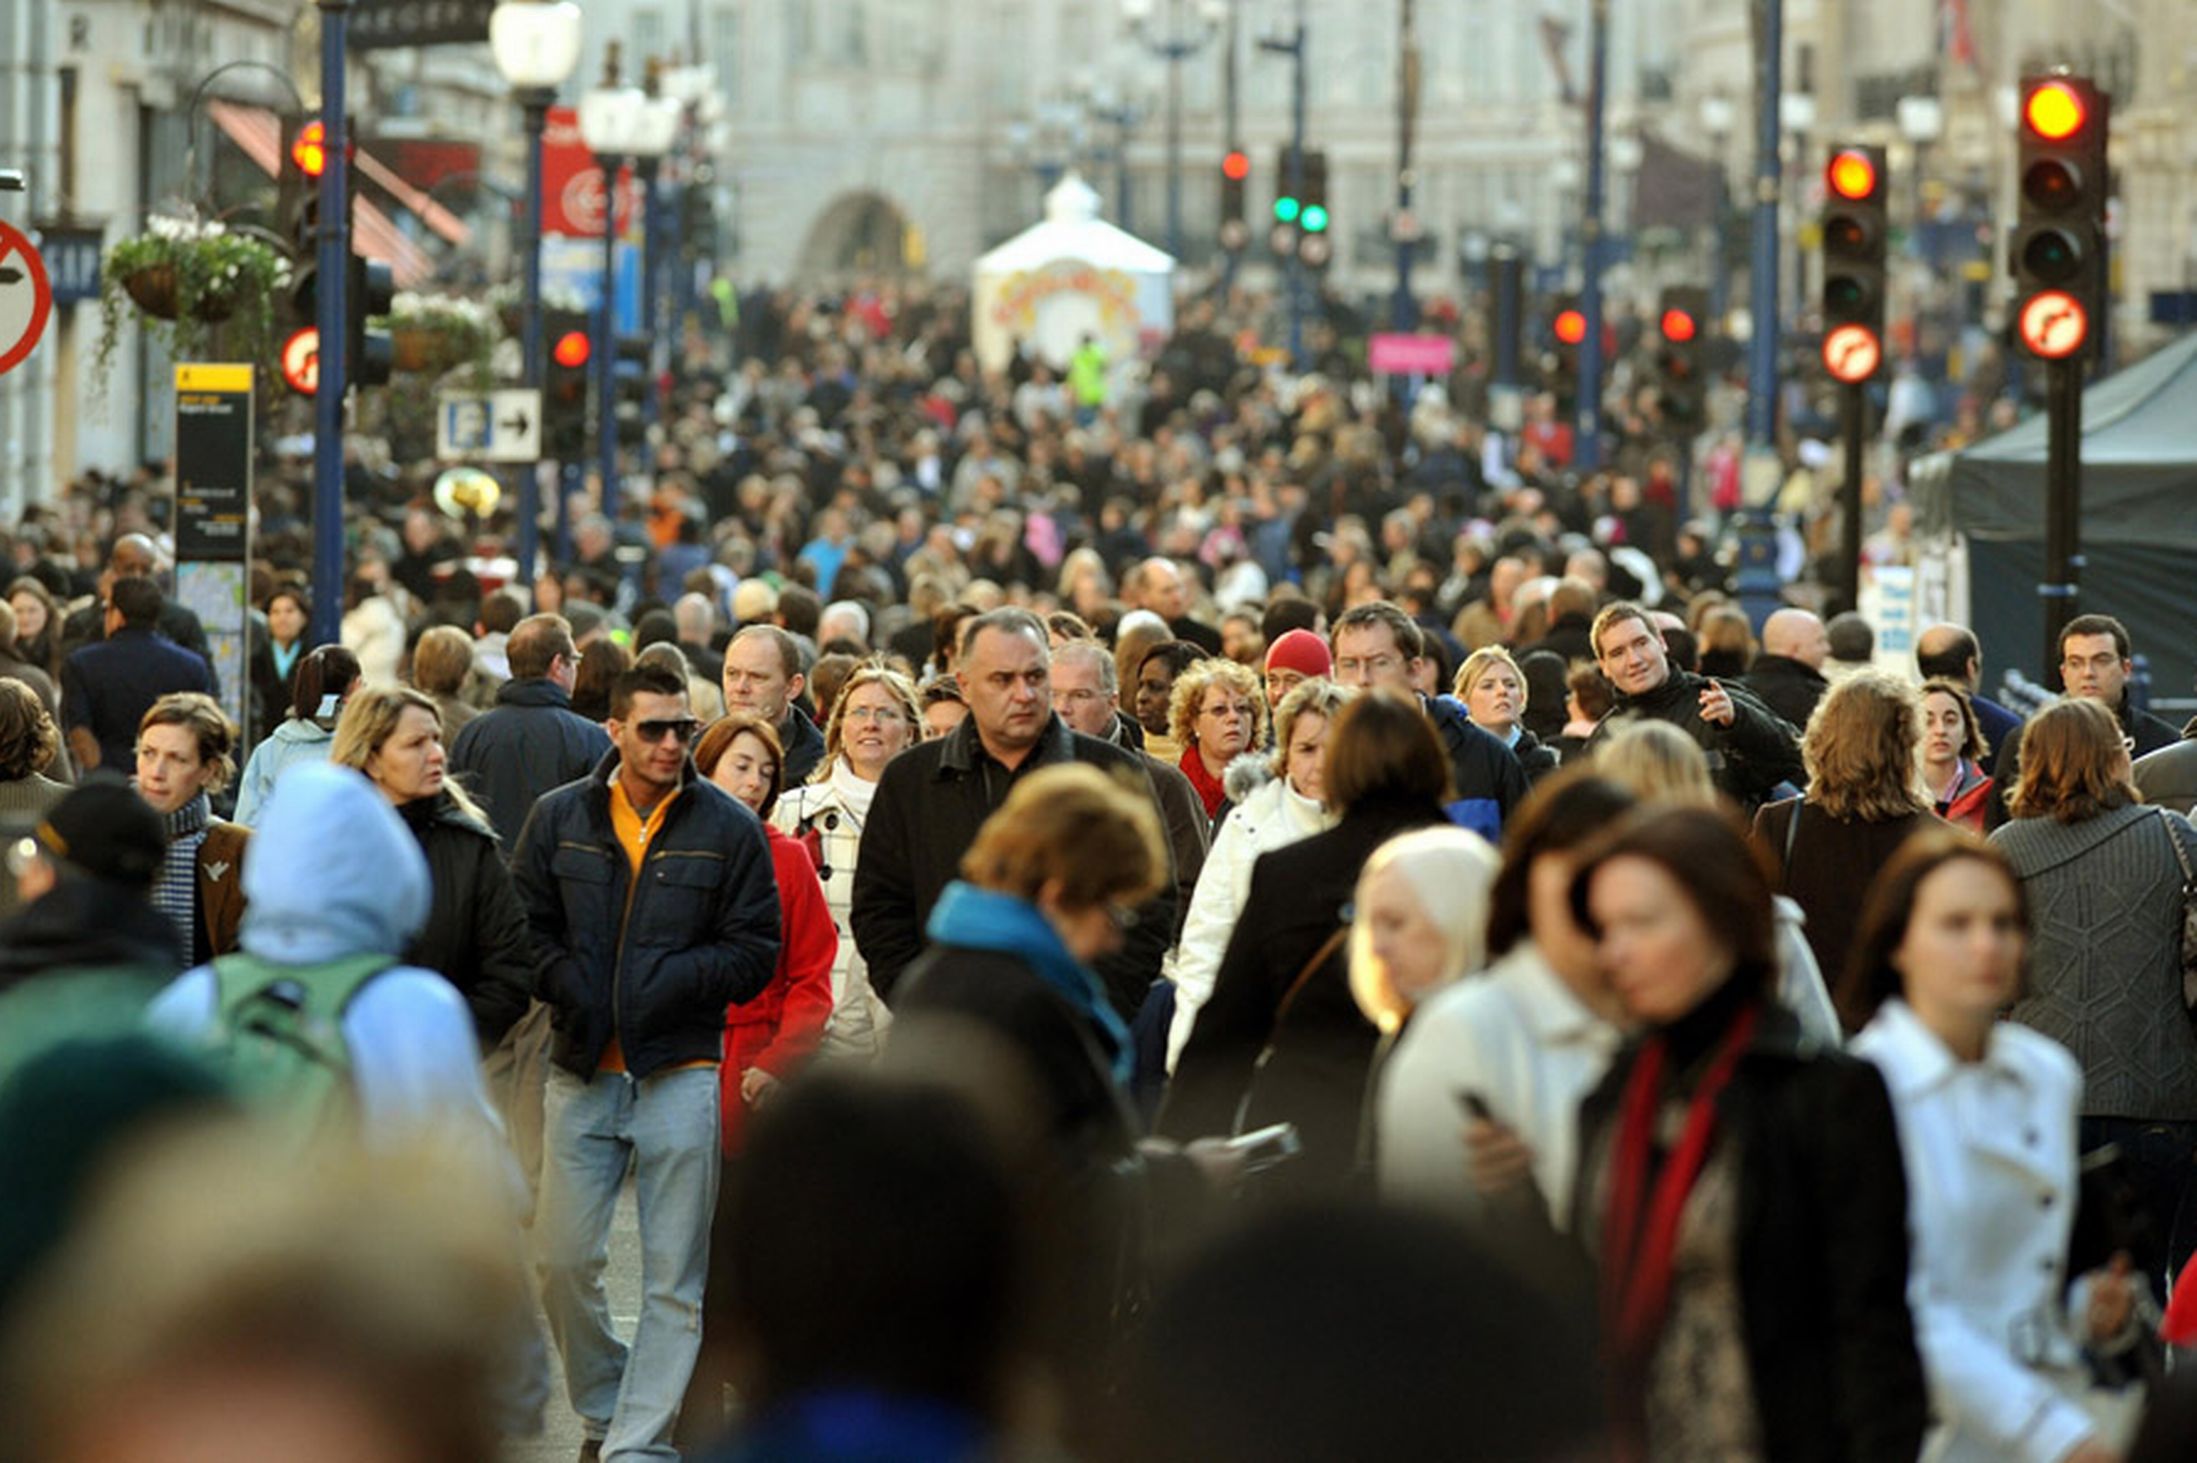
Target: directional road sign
pixel 489 426
pixel 26 297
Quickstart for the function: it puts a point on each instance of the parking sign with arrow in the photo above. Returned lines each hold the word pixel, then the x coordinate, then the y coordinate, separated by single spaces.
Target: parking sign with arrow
pixel 489 426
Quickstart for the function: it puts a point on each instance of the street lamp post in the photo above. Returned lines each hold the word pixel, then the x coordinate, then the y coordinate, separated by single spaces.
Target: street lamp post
pixel 1717 116
pixel 616 123
pixel 1294 48
pixel 332 271
pixel 536 45
pixel 1588 450
pixel 1174 45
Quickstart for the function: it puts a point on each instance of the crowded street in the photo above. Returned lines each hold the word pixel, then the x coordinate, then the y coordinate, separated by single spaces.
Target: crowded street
pixel 1165 731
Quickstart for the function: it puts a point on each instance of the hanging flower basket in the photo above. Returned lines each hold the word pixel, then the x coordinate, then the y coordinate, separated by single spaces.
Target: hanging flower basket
pixel 438 333
pixel 181 277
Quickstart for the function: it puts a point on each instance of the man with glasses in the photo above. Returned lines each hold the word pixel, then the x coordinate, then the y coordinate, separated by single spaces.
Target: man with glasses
pixel 2095 664
pixel 1377 644
pixel 654 892
pixel 531 740
pixel 934 797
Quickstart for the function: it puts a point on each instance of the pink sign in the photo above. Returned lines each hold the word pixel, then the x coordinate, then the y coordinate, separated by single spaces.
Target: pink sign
pixel 1412 355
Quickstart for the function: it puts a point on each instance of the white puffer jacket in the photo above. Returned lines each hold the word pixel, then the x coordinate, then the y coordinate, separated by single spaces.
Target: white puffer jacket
pixel 829 815
pixel 1268 814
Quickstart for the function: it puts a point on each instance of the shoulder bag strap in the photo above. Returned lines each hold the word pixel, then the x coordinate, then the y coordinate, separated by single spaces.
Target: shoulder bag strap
pixel 2181 855
pixel 1319 958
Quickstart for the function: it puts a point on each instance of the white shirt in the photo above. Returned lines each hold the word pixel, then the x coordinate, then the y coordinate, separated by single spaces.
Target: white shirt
pixel 1990 1151
pixel 1521 1040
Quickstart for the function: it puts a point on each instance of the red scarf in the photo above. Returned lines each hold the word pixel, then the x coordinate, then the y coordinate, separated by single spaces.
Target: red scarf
pixel 1640 1232
pixel 1210 791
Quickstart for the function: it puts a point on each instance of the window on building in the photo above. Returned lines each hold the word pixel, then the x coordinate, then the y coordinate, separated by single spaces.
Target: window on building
pixel 724 51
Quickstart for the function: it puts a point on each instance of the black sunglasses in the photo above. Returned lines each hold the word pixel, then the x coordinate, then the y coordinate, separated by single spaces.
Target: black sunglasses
pixel 682 729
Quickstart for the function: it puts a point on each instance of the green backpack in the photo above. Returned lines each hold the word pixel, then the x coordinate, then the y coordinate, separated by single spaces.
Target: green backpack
pixel 279 1038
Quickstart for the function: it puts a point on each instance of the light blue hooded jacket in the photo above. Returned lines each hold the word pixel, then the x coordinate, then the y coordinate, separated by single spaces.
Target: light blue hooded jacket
pixel 295 742
pixel 331 872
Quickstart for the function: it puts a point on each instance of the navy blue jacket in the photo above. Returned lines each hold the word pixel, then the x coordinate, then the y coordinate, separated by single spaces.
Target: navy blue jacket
pixel 1486 780
pixel 804 747
pixel 109 685
pixel 530 741
pixel 654 963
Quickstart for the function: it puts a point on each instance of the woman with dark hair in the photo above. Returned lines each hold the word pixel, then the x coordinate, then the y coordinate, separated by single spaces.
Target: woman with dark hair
pixel 1281 1039
pixel 325 680
pixel 600 664
pixel 1529 1039
pixel 289 612
pixel 38 620
pixel 2104 874
pixel 1740 1188
pixel 1864 799
pixel 1938 957
pixel 1953 751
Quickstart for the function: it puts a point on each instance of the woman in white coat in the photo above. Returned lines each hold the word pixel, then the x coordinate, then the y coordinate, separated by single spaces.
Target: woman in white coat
pixel 875 717
pixel 1278 800
pixel 1525 1042
pixel 1987 1122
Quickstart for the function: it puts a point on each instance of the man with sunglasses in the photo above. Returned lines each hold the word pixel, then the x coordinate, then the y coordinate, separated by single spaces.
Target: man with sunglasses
pixel 653 890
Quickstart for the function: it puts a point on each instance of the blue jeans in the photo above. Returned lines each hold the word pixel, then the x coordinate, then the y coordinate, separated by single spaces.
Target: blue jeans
pixel 665 1128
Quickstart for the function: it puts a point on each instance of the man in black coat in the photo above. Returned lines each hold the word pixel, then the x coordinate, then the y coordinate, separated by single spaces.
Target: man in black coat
pixel 1377 644
pixel 134 557
pixel 935 796
pixel 1751 750
pixel 108 685
pixel 1788 676
pixel 531 740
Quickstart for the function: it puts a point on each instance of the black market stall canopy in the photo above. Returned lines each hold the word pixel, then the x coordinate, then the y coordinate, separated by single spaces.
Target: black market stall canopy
pixel 2139 519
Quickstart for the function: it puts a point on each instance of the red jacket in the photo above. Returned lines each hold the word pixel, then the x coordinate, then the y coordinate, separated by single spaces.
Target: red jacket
pixel 780 1028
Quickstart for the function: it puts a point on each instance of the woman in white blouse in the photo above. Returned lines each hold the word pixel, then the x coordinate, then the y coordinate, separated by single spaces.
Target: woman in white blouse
pixel 1987 1121
pixel 873 720
pixel 1525 1042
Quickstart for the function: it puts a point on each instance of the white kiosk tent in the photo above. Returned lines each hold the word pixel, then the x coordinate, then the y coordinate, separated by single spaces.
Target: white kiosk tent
pixel 1070 276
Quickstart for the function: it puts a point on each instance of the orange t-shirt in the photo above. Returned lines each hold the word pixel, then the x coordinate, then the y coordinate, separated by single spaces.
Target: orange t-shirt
pixel 634 833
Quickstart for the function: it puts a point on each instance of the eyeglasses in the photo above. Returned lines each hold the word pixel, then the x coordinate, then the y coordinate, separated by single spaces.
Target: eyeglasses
pixel 883 715
pixel 681 729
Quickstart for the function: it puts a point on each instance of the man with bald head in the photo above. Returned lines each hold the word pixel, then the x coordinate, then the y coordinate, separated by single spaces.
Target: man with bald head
pixel 1950 652
pixel 134 556
pixel 1788 675
pixel 1162 590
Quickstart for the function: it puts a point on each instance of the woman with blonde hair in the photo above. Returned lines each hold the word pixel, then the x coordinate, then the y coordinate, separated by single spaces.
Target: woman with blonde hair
pixel 476 932
pixel 1278 800
pixel 1494 692
pixel 2108 984
pixel 1419 921
pixel 874 718
pixel 1215 713
pixel 1864 799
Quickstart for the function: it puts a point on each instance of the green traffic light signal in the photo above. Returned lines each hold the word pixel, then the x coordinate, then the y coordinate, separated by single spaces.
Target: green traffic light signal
pixel 1286 209
pixel 1315 218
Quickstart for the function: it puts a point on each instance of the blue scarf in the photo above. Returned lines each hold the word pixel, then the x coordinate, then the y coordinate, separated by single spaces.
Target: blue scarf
pixel 978 919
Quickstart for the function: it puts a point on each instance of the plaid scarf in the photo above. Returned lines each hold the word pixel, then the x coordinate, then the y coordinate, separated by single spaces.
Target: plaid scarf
pixel 175 894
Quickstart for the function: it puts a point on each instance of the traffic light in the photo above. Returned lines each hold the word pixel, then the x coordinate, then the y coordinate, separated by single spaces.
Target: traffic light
pixel 2058 250
pixel 564 385
pixel 631 386
pixel 370 291
pixel 1317 247
pixel 1288 203
pixel 1567 332
pixel 1855 227
pixel 297 205
pixel 1682 325
pixel 1235 173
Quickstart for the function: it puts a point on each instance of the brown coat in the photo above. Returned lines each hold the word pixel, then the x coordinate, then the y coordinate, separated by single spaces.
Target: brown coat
pixel 221 885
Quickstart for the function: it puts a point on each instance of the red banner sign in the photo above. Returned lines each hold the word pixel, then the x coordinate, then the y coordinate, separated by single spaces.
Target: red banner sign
pixel 572 184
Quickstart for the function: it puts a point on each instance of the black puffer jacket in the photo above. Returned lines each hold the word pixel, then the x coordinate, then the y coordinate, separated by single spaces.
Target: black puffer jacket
pixel 655 968
pixel 476 935
pixel 1747 759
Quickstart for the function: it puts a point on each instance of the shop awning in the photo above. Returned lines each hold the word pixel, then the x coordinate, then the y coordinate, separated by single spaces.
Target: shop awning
pixel 258 134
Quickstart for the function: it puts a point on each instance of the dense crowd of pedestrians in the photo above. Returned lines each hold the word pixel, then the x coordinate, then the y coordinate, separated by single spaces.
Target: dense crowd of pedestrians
pixel 1227 918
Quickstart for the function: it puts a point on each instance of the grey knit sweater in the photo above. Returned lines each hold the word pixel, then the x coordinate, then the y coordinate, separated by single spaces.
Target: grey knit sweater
pixel 33 794
pixel 2105 974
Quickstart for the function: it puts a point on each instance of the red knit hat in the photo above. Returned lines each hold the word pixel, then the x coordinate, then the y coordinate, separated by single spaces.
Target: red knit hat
pixel 1300 651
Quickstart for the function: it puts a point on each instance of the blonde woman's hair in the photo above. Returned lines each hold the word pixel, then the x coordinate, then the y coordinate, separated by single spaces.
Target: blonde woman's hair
pixel 1657 763
pixel 1201 676
pixel 1073 825
pixel 1476 665
pixel 1451 873
pixel 442 660
pixel 370 719
pixel 870 673
pixel 1862 750
pixel 1317 697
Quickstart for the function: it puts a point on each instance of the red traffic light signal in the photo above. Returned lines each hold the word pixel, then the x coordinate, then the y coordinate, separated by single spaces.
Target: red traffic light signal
pixel 1236 166
pixel 1852 175
pixel 1570 326
pixel 2055 111
pixel 309 149
pixel 572 349
pixel 2054 325
pixel 1679 326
